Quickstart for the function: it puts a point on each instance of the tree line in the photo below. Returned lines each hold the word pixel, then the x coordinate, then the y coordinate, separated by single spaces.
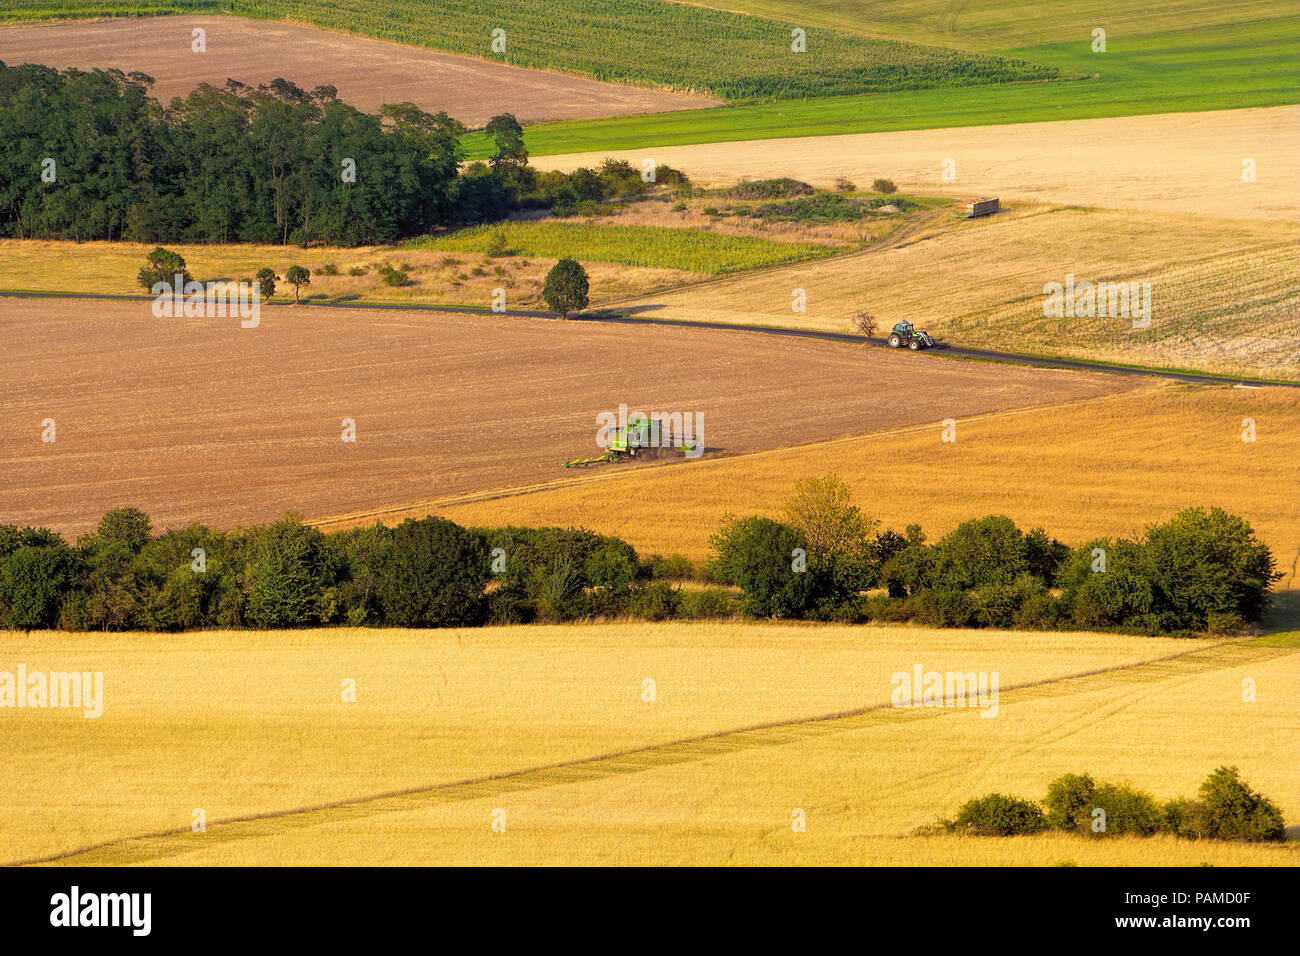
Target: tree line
pixel 1201 570
pixel 91 155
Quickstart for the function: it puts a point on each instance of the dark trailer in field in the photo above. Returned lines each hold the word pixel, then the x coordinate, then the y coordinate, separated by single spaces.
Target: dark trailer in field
pixel 979 207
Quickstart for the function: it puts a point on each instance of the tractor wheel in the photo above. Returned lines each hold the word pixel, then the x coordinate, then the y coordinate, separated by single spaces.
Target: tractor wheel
pixel 894 340
pixel 914 344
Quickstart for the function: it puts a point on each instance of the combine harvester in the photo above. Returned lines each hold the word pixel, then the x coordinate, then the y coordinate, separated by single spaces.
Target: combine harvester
pixel 640 440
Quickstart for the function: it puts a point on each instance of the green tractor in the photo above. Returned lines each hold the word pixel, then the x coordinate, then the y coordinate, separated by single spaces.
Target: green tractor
pixel 904 334
pixel 640 440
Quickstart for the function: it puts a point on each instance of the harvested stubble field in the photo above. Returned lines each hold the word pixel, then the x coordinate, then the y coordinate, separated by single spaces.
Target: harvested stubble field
pixel 201 420
pixel 367 73
pixel 1107 467
pixel 1174 162
pixel 1225 293
pixel 264 730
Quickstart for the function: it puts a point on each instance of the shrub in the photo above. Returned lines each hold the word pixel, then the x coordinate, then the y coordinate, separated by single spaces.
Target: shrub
pixel 357 271
pixel 1233 811
pixel 999 815
pixel 1069 800
pixel 989 550
pixel 885 186
pixel 844 185
pixel 707 604
pixel 286 575
pixel 32 584
pixel 433 575
pixel 781 188
pixel 757 554
pixel 1210 570
pixel 328 269
pixel 1127 811
pixel 657 601
pixel 393 276
pixel 675 567
pixel 946 607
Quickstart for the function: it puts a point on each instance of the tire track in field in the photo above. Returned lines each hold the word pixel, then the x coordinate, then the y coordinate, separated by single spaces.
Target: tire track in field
pixel 151 847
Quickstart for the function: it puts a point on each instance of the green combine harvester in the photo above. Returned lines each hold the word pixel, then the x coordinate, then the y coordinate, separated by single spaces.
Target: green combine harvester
pixel 640 441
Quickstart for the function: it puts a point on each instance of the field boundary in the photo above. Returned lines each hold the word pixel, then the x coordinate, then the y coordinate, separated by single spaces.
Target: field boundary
pixel 164 843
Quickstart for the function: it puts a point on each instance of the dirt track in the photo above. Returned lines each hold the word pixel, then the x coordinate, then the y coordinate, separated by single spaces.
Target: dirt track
pixel 198 419
pixel 367 73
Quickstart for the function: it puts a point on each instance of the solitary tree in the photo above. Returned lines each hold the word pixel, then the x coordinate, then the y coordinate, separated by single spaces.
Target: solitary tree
pixel 162 265
pixel 566 287
pixel 266 282
pixel 297 276
pixel 508 136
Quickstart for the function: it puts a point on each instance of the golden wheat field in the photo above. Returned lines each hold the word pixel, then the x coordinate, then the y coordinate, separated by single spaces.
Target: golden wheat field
pixel 466 723
pixel 1171 162
pixel 1110 466
pixel 1225 293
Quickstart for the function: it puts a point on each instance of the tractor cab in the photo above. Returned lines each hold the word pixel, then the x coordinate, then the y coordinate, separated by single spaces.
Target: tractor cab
pixel 903 328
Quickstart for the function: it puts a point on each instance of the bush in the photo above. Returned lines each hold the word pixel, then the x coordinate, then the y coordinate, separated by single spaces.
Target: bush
pixel 707 604
pixel 434 575
pixel 357 271
pixel 1235 812
pixel 675 567
pixel 1127 811
pixel 999 815
pixel 394 276
pixel 844 185
pixel 946 607
pixel 757 554
pixel 781 188
pixel 286 575
pixel 32 584
pixel 657 601
pixel 1069 801
pixel 328 269
pixel 885 186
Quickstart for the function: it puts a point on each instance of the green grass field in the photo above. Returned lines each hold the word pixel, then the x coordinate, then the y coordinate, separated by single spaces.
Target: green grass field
pixel 1221 67
pixel 694 250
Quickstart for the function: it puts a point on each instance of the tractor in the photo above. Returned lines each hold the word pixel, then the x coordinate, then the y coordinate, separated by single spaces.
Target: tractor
pixel 904 334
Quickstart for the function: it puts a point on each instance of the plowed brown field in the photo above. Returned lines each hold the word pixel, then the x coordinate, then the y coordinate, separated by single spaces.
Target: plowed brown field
pixel 367 73
pixel 201 420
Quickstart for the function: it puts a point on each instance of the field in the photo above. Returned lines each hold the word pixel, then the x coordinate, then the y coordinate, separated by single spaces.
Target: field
pixel 1250 63
pixel 109 268
pixel 264 731
pixel 685 249
pixel 1225 294
pixel 1107 467
pixel 367 73
pixel 1185 162
pixel 201 420
pixel 696 49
